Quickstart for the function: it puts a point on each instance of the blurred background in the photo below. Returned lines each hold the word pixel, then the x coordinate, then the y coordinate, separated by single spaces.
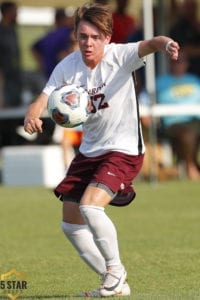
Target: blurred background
pixel 162 248
pixel 35 36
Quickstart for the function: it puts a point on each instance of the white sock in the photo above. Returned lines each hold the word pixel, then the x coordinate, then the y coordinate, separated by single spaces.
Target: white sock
pixel 82 239
pixel 104 233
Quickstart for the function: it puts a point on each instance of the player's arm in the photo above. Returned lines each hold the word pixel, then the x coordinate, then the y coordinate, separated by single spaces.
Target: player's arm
pixel 159 43
pixel 32 121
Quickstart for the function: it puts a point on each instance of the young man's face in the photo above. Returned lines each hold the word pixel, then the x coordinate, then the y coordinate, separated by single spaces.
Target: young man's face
pixel 91 42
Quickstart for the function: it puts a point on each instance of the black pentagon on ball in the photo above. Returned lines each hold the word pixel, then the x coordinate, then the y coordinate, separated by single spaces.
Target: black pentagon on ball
pixel 59 118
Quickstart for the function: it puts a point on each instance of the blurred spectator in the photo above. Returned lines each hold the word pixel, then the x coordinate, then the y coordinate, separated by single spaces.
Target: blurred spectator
pixel 158 160
pixel 186 30
pixel 134 37
pixel 10 70
pixel 179 87
pixel 47 50
pixel 138 35
pixel 173 12
pixel 157 154
pixel 123 24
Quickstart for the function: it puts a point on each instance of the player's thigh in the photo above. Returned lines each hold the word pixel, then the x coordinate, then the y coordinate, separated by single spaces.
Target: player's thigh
pixel 95 196
pixel 71 213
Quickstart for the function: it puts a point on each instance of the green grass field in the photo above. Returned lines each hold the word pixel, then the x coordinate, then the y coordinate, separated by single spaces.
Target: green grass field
pixel 159 239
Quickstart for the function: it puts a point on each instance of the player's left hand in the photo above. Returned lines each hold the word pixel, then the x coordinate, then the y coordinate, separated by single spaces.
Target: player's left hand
pixel 172 49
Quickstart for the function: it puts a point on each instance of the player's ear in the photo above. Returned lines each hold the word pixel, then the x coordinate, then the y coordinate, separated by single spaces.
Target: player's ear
pixel 107 39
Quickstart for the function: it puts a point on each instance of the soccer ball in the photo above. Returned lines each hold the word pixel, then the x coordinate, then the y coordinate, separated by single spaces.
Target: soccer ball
pixel 68 105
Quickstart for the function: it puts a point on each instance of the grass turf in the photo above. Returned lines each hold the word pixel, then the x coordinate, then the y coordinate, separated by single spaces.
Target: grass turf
pixel 158 236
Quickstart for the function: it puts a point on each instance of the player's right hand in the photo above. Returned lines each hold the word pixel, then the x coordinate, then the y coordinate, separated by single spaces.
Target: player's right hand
pixel 32 125
pixel 172 49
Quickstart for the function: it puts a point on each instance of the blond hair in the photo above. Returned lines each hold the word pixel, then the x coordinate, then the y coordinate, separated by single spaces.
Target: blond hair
pixel 98 15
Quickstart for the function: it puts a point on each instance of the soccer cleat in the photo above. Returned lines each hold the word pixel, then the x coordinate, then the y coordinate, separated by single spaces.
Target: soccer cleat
pixel 113 282
pixel 125 291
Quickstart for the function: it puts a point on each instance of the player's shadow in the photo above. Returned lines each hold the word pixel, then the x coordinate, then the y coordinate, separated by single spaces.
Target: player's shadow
pixel 64 297
pixel 60 297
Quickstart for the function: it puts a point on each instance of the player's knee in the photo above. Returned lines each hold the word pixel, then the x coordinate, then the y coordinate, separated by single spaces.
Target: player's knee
pixel 90 214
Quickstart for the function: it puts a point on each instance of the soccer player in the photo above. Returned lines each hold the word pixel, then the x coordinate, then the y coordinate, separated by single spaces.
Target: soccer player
pixel 112 148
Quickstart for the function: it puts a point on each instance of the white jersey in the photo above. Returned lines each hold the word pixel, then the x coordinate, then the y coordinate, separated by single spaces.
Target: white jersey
pixel 115 124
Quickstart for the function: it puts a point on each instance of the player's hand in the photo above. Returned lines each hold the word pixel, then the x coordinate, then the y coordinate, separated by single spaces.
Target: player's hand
pixel 172 49
pixel 32 125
